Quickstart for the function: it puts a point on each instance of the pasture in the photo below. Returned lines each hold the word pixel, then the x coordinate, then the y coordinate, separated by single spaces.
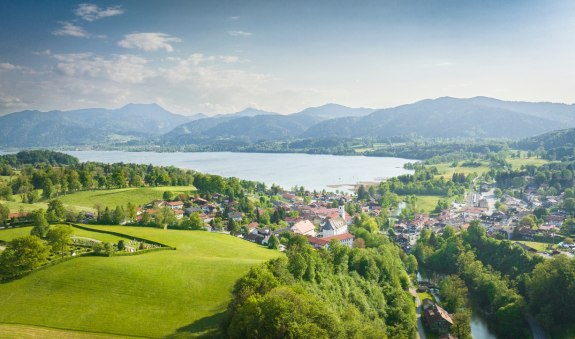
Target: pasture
pixel 156 294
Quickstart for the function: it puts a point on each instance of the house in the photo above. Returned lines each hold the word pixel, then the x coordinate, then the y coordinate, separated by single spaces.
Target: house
pixel 345 239
pixel 333 226
pixel 303 227
pixel 437 319
pixel 251 227
pixel 236 216
pixel 175 205
pixel 179 214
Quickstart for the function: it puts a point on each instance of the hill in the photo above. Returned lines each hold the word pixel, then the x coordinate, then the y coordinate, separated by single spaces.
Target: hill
pixel 86 126
pixel 557 144
pixel 253 125
pixel 478 117
pixel 447 118
pixel 156 294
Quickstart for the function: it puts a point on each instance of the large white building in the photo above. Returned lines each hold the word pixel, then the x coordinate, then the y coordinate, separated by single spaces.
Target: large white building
pixel 333 226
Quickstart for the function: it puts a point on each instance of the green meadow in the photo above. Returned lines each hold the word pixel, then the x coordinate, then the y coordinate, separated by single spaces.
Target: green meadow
pixel 117 197
pixel 156 294
pixel 86 200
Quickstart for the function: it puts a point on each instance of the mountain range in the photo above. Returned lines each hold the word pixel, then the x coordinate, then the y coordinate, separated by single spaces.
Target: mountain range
pixel 446 117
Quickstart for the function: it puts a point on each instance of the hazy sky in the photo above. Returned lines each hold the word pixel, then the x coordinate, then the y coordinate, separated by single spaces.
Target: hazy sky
pixel 223 56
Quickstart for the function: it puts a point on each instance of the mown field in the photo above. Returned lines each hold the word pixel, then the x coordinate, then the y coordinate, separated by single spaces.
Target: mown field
pixel 156 294
pixel 11 233
pixel 86 200
pixel 117 197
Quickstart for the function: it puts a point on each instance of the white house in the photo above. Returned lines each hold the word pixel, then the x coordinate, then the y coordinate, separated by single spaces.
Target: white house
pixel 304 227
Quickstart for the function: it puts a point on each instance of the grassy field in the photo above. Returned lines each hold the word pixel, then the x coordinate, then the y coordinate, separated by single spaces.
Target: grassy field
pixel 16 331
pixel 156 294
pixel 539 246
pixel 427 203
pixel 516 163
pixel 85 200
pixel 447 171
pixel 17 205
pixel 117 197
pixel 425 295
pixel 11 233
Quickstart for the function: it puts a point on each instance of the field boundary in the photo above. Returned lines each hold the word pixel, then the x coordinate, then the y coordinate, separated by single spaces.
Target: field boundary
pixel 122 235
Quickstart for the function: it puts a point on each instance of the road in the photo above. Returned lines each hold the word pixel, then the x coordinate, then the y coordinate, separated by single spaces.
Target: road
pixel 418 310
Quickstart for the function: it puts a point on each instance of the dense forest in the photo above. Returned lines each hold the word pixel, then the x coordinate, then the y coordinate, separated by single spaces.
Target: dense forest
pixel 334 293
pixel 505 281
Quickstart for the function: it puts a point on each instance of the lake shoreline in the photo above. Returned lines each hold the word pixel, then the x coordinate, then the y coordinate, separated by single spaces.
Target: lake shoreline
pixel 313 171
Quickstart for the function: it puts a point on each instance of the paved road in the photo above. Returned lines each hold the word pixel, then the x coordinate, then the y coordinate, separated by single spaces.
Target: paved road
pixel 418 310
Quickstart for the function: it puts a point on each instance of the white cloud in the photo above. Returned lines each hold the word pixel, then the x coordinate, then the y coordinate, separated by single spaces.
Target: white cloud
pixel 149 41
pixel 69 29
pixel 234 18
pixel 10 102
pixel 123 68
pixel 229 59
pixel 91 12
pixel 239 33
pixel 6 66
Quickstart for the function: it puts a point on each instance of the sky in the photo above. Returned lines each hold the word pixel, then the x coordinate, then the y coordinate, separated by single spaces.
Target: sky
pixel 192 56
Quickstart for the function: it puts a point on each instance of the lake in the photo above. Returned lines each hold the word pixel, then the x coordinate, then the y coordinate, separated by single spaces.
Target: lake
pixel 314 172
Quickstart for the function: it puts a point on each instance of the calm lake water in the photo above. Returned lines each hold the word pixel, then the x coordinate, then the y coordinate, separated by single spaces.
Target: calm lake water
pixel 314 172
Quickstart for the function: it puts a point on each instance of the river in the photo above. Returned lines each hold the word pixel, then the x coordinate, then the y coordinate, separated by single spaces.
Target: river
pixel 313 171
pixel 479 325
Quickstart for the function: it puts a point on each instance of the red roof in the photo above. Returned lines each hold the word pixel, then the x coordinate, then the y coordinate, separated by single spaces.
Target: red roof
pixel 18 215
pixel 321 242
pixel 339 237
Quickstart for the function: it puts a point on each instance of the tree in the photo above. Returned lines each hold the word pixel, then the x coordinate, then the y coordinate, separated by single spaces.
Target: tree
pixel 23 254
pixel 196 223
pixel 273 242
pixel 453 293
pixel 41 225
pixel 569 205
pixel 59 237
pixel 118 216
pixel 47 189
pixel 498 193
pixel 56 211
pixel 168 195
pixel 359 243
pixel 121 246
pixel 551 292
pixel 104 248
pixel 233 227
pixel 131 211
pixel 166 216
pixel 528 221
pixel 4 214
pixel 461 327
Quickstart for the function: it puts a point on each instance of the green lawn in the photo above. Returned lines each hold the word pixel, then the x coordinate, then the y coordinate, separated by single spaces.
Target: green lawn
pixel 16 331
pixel 447 171
pixel 516 163
pixel 11 233
pixel 156 294
pixel 117 197
pixel 17 205
pixel 85 200
pixel 539 246
pixel 427 203
pixel 425 295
